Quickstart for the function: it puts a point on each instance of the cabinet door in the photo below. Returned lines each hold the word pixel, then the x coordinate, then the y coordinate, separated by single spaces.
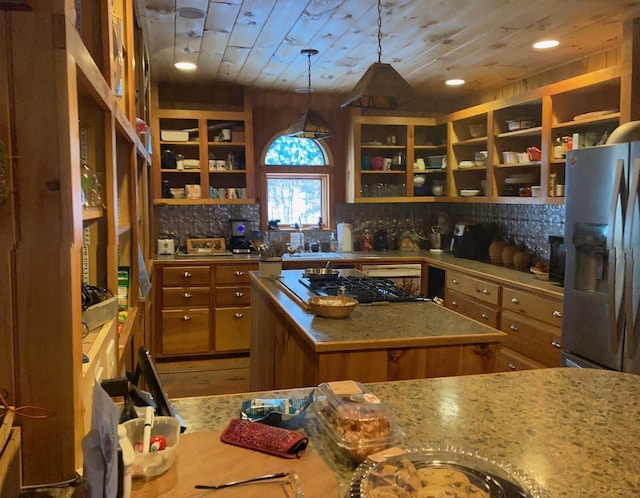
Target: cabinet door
pixel 186 276
pixel 534 339
pixel 510 361
pixel 233 329
pixel 462 304
pixel 186 296
pixel 234 274
pixel 532 306
pixel 474 287
pixel 185 331
pixel 233 296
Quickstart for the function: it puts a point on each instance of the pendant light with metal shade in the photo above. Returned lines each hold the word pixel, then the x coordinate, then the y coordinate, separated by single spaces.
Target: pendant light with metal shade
pixel 381 87
pixel 310 124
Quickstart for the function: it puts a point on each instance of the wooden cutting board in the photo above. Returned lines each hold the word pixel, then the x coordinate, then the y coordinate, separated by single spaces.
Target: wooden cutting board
pixel 201 458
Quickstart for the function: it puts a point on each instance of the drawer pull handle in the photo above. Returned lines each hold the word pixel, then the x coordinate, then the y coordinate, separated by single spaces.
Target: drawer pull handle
pixel 556 344
pixel 454 303
pixel 186 318
pixel 485 316
pixel 511 366
pixel 187 274
pixel 557 313
pixel 239 315
pixel 513 327
pixel 187 295
pixel 485 291
pixel 455 281
pixel 239 273
pixel 239 294
pixel 514 300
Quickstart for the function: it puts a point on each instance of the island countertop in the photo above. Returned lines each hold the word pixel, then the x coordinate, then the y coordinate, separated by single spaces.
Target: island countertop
pixel 575 431
pixel 376 326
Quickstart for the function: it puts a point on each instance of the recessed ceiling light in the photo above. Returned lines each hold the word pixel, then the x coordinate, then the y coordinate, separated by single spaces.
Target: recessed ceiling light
pixel 454 82
pixel 185 66
pixel 546 44
pixel 190 13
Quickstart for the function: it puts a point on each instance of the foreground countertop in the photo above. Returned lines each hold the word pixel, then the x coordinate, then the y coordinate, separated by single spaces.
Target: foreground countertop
pixel 575 431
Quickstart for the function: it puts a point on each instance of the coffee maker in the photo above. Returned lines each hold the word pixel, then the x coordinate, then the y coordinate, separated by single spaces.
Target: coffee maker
pixel 472 240
pixel 239 243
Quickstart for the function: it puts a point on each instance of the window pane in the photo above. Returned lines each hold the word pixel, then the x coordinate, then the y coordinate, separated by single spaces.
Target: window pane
pixel 290 151
pixel 294 200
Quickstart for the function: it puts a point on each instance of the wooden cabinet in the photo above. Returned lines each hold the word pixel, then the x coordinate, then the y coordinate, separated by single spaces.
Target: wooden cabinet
pixel 468 136
pixel 77 111
pixel 531 321
pixel 202 309
pixel 233 307
pixel 385 158
pixel 203 156
pixel 587 105
pixel 533 325
pixel 184 309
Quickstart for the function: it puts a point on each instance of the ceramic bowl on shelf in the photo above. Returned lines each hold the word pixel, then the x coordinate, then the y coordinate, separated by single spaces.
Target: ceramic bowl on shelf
pixel 478 130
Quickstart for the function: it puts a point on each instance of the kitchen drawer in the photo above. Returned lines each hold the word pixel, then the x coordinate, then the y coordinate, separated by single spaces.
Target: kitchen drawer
pixel 462 304
pixel 185 276
pixel 233 329
pixel 185 331
pixel 187 296
pixel 538 307
pixel 234 274
pixel 233 296
pixel 510 361
pixel 478 289
pixel 534 339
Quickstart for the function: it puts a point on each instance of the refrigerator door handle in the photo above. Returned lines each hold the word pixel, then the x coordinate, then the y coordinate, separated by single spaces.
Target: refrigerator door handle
pixel 615 303
pixel 632 324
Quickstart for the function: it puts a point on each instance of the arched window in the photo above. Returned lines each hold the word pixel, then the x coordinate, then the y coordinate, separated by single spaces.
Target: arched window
pixel 297 181
pixel 289 151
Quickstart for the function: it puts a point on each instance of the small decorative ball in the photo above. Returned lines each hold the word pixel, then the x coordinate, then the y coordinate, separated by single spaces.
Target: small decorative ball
pixel 158 443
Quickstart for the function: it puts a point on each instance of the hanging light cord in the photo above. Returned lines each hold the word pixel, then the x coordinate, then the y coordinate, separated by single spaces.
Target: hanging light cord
pixel 379 31
pixel 309 82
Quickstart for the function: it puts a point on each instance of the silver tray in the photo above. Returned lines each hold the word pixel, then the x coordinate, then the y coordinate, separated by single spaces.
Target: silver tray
pixel 496 479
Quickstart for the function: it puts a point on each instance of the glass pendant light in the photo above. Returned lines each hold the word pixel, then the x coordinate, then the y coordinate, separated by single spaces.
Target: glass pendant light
pixel 310 124
pixel 381 87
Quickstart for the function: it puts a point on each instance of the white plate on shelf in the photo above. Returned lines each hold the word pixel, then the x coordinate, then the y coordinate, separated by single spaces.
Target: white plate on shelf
pixel 469 192
pixel 467 164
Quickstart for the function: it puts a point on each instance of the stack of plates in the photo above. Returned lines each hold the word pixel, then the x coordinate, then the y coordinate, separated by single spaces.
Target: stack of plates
pixel 469 192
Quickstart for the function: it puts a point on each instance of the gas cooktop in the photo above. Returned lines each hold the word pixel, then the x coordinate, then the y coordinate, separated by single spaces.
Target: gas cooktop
pixel 364 289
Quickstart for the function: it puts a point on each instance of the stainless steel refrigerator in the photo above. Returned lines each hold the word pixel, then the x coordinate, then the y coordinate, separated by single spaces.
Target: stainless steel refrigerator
pixel 600 326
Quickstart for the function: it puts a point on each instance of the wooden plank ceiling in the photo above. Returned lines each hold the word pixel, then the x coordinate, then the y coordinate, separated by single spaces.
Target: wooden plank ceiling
pixel 486 42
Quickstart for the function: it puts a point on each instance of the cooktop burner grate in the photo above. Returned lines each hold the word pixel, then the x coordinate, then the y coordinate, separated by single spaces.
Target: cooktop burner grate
pixel 364 289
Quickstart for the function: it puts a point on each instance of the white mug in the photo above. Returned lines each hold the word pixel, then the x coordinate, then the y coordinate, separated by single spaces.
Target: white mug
pixel 420 165
pixel 226 135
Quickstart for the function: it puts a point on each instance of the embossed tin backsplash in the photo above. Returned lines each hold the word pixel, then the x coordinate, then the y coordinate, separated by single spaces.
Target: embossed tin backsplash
pixel 528 224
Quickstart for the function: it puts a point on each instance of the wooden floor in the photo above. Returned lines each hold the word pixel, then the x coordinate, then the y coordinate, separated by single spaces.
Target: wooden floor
pixel 187 378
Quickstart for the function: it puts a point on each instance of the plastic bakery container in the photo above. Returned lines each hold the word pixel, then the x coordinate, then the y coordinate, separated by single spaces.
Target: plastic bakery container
pixel 355 419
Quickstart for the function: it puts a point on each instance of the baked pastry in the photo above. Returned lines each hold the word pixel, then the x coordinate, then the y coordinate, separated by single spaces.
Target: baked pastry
pixel 403 480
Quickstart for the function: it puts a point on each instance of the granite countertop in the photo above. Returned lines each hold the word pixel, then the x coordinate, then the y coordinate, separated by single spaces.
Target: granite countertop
pixel 405 324
pixel 444 260
pixel 575 431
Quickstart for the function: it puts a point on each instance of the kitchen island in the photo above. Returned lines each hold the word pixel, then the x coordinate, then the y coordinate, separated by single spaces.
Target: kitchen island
pixel 575 431
pixel 291 347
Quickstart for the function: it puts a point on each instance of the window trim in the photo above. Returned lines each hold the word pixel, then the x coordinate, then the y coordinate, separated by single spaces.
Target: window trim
pixel 324 200
pixel 326 173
